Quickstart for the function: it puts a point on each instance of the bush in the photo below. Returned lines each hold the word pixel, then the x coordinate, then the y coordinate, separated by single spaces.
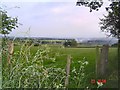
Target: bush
pixel 36 44
pixel 115 45
pixel 70 43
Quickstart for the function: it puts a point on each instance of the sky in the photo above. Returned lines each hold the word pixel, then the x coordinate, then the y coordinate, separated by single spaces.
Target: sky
pixel 54 18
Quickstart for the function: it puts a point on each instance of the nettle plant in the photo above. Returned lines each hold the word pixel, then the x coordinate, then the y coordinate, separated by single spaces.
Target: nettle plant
pixel 27 70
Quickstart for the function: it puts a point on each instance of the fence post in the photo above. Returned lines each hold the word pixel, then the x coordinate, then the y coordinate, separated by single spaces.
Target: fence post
pixel 97 61
pixel 67 70
pixel 104 59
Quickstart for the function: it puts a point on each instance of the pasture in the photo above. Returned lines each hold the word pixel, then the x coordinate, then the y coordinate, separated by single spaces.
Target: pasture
pixel 78 54
pixel 48 64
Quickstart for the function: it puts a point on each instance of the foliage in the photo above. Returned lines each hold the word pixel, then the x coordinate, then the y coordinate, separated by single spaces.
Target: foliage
pixel 8 23
pixel 115 45
pixel 70 43
pixel 49 64
pixel 110 23
pixel 78 75
pixel 27 70
pixel 91 4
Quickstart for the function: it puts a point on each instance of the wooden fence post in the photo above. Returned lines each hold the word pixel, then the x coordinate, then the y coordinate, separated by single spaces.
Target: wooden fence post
pixel 102 61
pixel 67 70
pixel 97 60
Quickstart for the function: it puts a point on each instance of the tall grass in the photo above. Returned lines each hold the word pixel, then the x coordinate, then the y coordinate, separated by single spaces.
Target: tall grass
pixel 0 63
pixel 27 70
pixel 44 67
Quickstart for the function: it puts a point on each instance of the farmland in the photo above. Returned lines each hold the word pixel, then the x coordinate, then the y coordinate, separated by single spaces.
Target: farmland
pixel 78 54
pixel 52 59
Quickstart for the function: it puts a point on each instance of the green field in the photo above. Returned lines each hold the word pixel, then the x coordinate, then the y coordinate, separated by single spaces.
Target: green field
pixel 25 55
pixel 89 54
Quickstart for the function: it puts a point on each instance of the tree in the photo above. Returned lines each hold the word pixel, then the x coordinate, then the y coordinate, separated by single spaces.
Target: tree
pixel 92 5
pixel 8 23
pixel 111 22
pixel 70 43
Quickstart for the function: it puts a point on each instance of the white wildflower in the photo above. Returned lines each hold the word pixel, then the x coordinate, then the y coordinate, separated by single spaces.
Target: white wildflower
pixel 79 61
pixel 100 84
pixel 86 62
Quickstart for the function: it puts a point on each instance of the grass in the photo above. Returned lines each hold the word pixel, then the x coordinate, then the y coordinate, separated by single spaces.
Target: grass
pixel 0 76
pixel 59 57
pixel 0 64
pixel 77 54
pixel 90 55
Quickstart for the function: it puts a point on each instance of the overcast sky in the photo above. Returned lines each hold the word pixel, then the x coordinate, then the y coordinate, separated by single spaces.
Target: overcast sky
pixel 50 18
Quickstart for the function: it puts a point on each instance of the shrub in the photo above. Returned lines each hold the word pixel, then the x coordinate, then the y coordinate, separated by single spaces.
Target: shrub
pixel 70 43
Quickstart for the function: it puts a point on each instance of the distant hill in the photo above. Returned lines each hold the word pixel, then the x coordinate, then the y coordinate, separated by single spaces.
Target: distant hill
pixel 97 41
pixel 86 41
